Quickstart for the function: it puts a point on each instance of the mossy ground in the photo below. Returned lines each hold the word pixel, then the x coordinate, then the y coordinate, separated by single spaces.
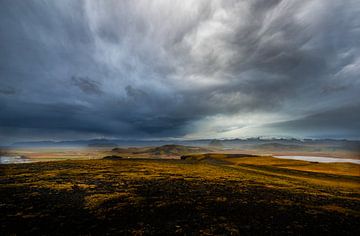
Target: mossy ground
pixel 206 196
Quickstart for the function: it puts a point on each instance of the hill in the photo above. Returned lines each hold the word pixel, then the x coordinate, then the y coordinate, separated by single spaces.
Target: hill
pixel 165 150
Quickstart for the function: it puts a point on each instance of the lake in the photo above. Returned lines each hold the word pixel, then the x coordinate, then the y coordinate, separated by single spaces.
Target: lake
pixel 13 159
pixel 319 159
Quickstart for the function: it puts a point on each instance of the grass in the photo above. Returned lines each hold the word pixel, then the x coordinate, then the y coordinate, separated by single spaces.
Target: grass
pixel 205 194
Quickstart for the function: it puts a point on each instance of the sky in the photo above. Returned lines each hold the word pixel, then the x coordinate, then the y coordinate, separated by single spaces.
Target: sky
pixel 179 69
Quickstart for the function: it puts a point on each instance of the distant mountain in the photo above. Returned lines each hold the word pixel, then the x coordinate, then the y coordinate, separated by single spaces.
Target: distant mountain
pixel 215 143
pixel 250 143
pixel 280 146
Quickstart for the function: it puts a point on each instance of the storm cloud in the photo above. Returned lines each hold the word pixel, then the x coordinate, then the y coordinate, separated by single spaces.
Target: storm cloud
pixel 179 69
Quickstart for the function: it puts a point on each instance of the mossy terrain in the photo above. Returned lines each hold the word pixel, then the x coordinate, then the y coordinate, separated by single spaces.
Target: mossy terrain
pixel 203 195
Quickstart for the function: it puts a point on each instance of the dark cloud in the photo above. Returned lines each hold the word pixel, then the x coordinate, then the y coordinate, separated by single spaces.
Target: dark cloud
pixel 7 91
pixel 136 94
pixel 330 88
pixel 87 85
pixel 335 123
pixel 178 68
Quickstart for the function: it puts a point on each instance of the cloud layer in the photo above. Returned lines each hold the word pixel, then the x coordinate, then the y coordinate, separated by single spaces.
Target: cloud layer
pixel 186 69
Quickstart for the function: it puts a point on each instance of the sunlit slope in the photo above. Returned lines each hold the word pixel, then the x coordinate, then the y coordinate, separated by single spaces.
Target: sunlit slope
pixel 340 175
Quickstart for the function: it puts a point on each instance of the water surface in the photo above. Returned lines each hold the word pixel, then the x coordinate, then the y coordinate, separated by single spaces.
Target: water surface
pixel 319 159
pixel 13 159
